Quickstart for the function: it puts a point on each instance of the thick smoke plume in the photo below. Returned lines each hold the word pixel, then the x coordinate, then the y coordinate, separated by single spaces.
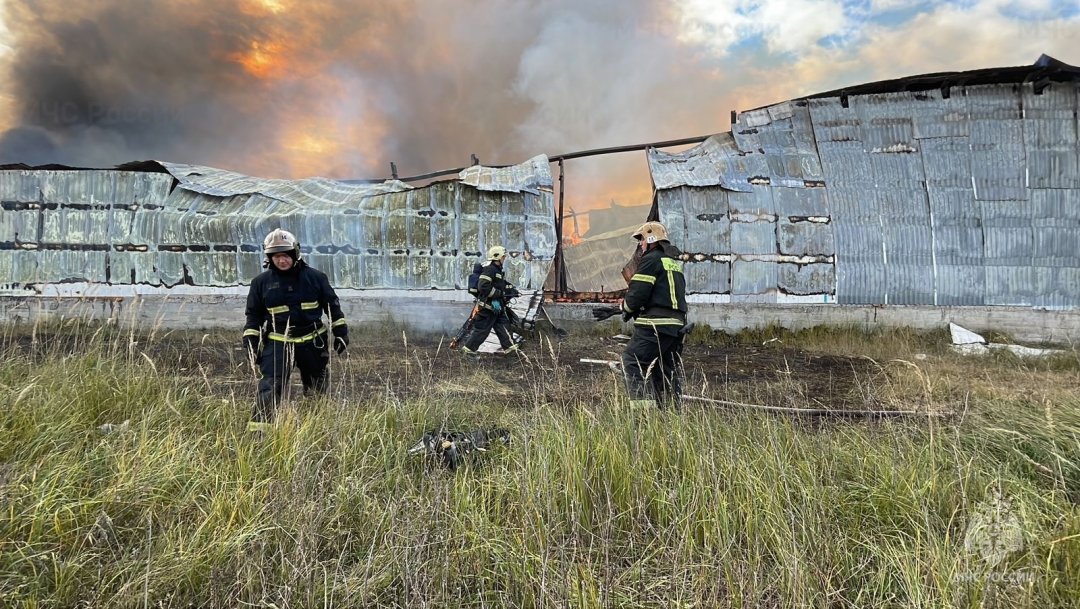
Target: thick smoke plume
pixel 290 89
pixel 284 88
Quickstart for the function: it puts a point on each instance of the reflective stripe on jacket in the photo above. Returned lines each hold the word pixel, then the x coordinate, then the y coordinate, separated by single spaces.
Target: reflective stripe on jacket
pixel 657 293
pixel 492 285
pixel 289 306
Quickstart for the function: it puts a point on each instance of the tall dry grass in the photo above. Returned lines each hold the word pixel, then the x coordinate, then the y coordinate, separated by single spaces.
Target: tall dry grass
pixel 593 505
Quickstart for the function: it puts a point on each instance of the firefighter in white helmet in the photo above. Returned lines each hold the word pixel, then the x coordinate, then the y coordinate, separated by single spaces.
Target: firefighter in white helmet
pixel 656 301
pixel 285 326
pixel 493 294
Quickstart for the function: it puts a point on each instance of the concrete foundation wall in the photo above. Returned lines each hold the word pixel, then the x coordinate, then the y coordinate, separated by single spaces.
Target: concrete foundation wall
pixel 419 311
pixel 442 312
pixel 1022 323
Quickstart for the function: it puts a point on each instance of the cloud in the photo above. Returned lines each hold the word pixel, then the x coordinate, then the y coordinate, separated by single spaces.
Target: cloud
pixel 945 40
pixel 785 26
pixel 884 6
pixel 942 37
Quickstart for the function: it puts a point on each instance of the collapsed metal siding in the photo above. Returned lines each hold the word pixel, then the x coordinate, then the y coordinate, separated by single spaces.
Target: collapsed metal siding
pixel 132 228
pixel 950 196
pixel 597 262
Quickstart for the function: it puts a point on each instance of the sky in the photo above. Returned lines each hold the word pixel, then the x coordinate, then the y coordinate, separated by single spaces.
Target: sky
pixel 291 88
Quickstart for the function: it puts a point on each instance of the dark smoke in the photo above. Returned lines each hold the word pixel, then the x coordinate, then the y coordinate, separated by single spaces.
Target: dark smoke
pixel 424 85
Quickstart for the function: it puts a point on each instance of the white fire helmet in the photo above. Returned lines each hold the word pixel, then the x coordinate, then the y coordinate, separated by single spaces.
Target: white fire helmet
pixel 281 240
pixel 651 232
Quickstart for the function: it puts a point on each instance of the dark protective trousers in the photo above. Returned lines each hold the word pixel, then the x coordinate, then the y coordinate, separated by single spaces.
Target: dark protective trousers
pixel 483 323
pixel 276 363
pixel 652 365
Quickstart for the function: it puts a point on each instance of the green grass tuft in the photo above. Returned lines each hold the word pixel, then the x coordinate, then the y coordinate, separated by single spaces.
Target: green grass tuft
pixel 172 504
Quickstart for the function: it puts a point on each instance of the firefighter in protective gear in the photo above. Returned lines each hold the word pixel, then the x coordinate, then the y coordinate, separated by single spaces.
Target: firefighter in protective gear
pixel 285 327
pixel 473 283
pixel 493 293
pixel 656 301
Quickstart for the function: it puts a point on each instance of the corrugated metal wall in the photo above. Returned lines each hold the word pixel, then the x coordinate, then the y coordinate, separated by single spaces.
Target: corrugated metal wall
pixel 121 228
pixel 961 196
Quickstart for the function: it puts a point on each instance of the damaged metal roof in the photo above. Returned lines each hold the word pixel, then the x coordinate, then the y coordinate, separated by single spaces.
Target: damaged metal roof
pixel 203 226
pixel 947 189
pixel 224 183
pixel 530 176
pixel 716 161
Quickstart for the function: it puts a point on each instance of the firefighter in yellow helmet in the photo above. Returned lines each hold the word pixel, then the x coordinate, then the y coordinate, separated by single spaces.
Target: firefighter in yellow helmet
pixel 285 327
pixel 493 294
pixel 656 301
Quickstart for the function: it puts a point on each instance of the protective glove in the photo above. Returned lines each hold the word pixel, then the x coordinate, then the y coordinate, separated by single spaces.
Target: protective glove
pixel 627 316
pixel 341 338
pixel 604 312
pixel 513 293
pixel 496 305
pixel 341 343
pixel 251 348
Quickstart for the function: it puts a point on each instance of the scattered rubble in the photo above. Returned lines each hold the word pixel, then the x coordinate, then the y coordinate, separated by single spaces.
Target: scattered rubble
pixel 969 343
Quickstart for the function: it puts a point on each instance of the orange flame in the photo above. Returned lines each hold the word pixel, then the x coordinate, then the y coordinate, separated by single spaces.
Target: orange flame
pixel 263 60
pixel 256 7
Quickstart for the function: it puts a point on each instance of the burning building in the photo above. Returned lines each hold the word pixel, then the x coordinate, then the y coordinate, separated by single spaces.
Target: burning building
pixel 953 195
pixel 909 202
pixel 150 239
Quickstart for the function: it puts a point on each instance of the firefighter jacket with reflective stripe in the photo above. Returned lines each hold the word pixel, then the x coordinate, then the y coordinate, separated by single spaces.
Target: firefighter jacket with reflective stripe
pixel 492 286
pixel 656 296
pixel 289 306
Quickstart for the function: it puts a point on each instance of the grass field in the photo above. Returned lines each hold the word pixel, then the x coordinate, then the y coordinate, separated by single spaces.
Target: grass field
pixel 127 478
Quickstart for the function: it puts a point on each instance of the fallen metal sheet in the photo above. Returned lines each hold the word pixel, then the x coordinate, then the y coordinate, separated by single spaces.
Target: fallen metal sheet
pixel 610 363
pixel 595 264
pixel 526 307
pixel 966 342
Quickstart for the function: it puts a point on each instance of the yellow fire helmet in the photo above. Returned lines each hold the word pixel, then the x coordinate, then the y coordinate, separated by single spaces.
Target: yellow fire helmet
pixel 497 252
pixel 651 232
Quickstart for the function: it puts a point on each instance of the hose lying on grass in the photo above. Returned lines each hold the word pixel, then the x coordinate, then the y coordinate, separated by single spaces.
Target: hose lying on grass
pixel 820 412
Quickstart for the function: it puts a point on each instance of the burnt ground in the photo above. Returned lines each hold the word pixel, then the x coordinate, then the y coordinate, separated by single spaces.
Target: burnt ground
pixel 410 367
